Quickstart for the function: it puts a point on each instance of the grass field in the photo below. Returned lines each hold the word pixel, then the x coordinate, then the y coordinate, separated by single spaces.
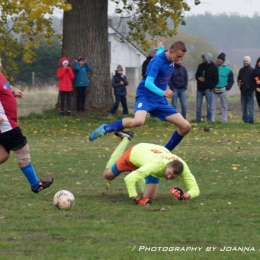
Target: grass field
pixel 104 223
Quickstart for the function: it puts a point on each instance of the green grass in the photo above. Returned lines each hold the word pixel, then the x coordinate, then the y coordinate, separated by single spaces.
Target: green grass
pixel 104 223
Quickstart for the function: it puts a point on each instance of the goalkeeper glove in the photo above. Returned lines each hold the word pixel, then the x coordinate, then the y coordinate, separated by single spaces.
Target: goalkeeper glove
pixel 177 193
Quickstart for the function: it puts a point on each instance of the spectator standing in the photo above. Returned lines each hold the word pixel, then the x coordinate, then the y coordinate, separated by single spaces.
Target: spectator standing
pixel 256 79
pixel 178 84
pixel 225 83
pixel 207 79
pixel 152 53
pixel 65 76
pixel 81 68
pixel 247 88
pixel 119 83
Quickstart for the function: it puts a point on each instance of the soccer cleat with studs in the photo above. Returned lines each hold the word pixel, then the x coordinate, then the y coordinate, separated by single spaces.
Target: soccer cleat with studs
pixel 122 134
pixel 100 131
pixel 43 185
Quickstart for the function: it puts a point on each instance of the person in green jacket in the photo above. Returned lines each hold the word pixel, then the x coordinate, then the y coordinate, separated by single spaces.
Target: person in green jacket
pixel 148 163
pixel 225 83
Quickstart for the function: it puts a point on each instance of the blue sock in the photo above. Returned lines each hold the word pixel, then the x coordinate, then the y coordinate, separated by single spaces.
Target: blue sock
pixel 116 126
pixel 30 175
pixel 174 141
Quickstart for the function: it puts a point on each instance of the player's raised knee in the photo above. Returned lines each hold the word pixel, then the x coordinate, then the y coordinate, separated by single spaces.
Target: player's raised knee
pixel 185 128
pixel 138 122
pixel 188 127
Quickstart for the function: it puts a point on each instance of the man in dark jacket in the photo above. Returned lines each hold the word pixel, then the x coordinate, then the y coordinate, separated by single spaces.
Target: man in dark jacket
pixel 119 83
pixel 152 53
pixel 247 89
pixel 178 84
pixel 207 79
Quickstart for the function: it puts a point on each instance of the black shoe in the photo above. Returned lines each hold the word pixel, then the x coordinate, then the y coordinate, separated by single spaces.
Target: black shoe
pixel 122 134
pixel 43 185
pixel 83 108
pixel 61 113
pixel 68 113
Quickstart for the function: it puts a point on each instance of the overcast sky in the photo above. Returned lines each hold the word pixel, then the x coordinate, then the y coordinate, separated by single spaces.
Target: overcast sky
pixel 240 7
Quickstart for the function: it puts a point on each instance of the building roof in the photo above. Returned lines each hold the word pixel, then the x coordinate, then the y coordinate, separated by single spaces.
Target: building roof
pixel 125 40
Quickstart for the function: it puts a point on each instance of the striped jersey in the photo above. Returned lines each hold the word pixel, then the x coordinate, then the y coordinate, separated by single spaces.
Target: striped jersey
pixel 8 106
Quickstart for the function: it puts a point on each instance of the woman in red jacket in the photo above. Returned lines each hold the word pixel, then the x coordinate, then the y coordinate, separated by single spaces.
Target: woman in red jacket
pixel 65 75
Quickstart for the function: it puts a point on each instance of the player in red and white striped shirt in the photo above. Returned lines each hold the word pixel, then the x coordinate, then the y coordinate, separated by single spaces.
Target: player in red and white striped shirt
pixel 12 138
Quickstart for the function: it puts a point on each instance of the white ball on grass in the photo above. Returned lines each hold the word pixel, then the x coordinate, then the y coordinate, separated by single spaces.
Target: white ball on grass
pixel 64 199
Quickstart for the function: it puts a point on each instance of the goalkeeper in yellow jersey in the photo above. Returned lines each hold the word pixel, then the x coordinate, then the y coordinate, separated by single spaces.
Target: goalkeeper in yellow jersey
pixel 147 164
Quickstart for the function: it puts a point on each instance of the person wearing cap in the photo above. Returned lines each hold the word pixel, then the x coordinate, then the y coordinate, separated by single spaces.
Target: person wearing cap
pixel 225 83
pixel 207 78
pixel 152 53
pixel 65 75
pixel 119 84
pixel 247 89
pixel 81 68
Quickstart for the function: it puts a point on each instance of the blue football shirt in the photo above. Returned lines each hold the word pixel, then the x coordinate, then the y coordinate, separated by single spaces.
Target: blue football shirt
pixel 161 70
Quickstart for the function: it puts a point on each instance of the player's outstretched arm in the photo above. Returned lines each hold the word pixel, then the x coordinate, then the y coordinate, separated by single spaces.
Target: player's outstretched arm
pixel 135 176
pixel 190 182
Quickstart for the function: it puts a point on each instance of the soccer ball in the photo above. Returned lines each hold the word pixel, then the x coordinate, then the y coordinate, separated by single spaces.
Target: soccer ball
pixel 63 199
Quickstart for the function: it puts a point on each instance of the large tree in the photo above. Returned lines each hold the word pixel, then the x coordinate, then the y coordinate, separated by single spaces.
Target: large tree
pixel 85 33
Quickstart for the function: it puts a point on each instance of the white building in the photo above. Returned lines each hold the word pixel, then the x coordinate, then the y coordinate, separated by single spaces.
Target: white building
pixel 126 54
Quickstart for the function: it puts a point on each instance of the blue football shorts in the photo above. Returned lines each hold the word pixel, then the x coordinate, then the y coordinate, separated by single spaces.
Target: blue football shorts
pixel 157 109
pixel 152 180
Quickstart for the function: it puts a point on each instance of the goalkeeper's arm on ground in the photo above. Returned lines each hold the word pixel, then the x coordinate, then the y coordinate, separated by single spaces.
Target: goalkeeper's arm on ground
pixel 190 183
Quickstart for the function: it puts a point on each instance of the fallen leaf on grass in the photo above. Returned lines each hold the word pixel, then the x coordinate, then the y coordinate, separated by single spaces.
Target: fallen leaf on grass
pixel 161 209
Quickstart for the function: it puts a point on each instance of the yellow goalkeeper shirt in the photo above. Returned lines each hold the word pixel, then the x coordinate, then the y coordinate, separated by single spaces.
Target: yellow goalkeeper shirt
pixel 152 160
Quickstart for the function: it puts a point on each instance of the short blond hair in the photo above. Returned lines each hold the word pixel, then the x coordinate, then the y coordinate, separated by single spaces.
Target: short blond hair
pixel 178 45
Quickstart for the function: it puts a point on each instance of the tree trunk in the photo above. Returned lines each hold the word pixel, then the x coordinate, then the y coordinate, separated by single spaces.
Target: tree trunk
pixel 85 33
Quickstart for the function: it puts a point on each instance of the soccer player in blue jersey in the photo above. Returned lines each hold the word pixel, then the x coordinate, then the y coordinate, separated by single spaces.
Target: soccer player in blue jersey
pixel 151 98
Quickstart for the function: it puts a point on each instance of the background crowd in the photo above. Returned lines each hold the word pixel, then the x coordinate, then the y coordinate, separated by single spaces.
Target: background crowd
pixel 213 76
pixel 214 79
